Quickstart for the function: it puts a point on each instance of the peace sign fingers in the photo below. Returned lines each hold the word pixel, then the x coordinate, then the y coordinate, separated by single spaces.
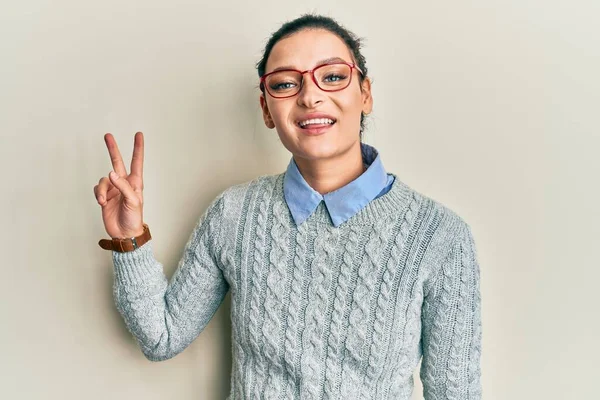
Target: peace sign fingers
pixel 121 195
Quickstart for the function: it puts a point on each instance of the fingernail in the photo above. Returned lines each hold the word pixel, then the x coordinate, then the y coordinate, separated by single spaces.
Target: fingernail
pixel 101 199
pixel 114 175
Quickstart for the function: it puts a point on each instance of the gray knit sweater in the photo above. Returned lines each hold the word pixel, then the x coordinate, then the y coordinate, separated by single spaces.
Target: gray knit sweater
pixel 319 312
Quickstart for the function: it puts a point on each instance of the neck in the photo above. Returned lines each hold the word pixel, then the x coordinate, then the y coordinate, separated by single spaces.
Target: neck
pixel 327 175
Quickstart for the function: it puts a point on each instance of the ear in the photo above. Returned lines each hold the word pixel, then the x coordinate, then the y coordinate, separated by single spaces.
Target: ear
pixel 367 99
pixel 265 111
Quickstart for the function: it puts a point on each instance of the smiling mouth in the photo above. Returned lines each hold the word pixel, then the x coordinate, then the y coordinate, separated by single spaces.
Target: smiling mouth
pixel 316 124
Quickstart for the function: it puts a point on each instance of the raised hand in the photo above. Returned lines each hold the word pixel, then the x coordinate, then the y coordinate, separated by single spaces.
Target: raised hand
pixel 120 194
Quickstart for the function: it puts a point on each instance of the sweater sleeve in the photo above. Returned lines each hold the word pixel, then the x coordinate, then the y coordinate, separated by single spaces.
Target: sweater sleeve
pixel 451 325
pixel 166 316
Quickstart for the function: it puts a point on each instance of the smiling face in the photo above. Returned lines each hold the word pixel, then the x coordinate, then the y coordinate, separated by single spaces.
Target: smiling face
pixel 305 50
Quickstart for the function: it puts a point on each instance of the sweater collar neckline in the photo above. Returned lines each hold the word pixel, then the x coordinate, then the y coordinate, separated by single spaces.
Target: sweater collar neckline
pixel 343 203
pixel 391 203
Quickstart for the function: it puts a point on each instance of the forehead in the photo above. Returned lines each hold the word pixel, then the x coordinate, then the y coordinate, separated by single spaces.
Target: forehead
pixel 304 49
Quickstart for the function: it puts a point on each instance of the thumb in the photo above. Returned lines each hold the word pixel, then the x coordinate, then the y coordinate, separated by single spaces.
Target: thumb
pixel 123 186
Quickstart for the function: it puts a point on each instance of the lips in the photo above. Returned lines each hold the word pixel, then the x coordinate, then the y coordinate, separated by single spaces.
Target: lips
pixel 316 129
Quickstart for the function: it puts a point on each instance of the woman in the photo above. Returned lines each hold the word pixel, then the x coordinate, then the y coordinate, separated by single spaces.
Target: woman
pixel 341 275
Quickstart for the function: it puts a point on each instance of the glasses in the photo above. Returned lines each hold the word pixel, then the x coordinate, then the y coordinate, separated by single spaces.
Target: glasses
pixel 328 77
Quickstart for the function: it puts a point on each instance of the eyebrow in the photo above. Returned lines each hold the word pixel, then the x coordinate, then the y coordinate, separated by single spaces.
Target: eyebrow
pixel 329 60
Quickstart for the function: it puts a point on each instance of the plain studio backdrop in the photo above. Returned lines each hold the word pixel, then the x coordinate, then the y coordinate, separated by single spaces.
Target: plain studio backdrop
pixel 490 107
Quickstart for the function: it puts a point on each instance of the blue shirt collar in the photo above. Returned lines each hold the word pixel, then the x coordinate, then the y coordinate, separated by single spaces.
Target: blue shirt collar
pixel 343 203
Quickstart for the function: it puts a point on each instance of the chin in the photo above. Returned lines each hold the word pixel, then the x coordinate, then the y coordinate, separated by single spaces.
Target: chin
pixel 314 147
pixel 316 150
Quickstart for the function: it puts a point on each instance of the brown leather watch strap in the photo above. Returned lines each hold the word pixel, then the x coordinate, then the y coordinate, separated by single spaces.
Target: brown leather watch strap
pixel 126 244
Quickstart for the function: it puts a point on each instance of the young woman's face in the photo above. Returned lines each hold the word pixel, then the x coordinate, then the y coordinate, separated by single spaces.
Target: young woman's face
pixel 305 50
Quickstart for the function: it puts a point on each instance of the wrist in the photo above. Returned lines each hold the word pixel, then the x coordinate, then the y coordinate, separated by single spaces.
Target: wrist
pixel 131 234
pixel 129 243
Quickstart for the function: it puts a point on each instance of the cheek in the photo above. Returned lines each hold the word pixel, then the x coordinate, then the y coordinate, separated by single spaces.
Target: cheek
pixel 350 101
pixel 351 108
pixel 279 111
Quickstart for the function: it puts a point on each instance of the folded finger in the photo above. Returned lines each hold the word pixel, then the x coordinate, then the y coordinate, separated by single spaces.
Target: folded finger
pixel 125 188
pixel 103 187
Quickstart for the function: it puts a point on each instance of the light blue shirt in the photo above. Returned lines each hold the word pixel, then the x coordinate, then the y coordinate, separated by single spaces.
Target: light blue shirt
pixel 343 203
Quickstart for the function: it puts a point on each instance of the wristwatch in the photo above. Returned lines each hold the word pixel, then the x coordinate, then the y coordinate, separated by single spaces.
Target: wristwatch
pixel 126 244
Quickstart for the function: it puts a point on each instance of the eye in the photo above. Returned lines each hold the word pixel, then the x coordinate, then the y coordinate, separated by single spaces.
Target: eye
pixel 282 86
pixel 334 78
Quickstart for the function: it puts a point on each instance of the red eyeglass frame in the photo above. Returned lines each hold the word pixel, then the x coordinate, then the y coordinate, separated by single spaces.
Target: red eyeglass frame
pixel 312 74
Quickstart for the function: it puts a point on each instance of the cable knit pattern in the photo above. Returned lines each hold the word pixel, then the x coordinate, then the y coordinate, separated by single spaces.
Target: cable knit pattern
pixel 318 311
pixel 238 308
pixel 274 301
pixel 333 365
pixel 257 309
pixel 312 339
pixel 398 257
pixel 382 322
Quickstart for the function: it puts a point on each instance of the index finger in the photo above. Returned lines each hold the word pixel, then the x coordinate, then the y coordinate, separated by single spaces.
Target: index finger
pixel 115 155
pixel 137 161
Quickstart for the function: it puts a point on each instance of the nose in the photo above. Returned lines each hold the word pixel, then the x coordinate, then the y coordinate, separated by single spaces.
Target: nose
pixel 310 94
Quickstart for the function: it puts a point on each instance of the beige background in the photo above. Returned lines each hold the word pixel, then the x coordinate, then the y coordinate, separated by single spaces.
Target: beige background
pixel 490 107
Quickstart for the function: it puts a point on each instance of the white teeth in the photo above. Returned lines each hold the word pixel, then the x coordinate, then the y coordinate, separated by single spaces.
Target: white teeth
pixel 316 121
